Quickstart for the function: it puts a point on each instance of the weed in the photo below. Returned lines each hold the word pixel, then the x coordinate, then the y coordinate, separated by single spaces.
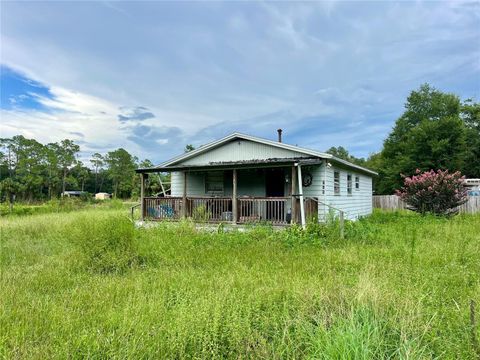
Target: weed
pixel 106 243
pixel 257 294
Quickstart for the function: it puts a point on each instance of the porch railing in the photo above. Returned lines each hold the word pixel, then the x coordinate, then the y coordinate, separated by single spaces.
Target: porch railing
pixel 162 208
pixel 275 210
pixel 268 209
pixel 213 209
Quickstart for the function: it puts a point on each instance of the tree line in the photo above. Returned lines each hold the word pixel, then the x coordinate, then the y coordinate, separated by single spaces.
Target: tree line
pixel 33 171
pixel 437 131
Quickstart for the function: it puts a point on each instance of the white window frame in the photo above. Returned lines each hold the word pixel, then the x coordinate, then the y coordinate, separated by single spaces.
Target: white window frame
pixel 357 183
pixel 349 184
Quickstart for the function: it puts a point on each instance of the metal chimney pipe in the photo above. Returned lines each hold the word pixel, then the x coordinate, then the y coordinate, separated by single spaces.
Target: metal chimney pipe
pixel 279 135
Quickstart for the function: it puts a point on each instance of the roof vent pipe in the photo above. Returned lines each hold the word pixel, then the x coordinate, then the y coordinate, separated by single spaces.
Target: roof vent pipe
pixel 279 135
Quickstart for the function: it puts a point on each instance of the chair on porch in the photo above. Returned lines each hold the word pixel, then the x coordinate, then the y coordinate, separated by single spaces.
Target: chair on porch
pixel 161 212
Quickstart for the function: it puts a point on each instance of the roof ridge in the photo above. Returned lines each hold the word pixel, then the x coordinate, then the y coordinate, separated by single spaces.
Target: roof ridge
pixel 236 134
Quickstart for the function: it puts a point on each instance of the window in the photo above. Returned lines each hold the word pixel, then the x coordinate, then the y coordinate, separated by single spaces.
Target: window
pixel 357 182
pixel 323 187
pixel 214 183
pixel 349 184
pixel 336 183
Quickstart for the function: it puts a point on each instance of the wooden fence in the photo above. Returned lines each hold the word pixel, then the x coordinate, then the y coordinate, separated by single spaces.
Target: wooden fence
pixel 393 202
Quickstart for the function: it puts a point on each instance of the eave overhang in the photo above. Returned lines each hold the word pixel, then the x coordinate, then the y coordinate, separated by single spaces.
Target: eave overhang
pixel 226 165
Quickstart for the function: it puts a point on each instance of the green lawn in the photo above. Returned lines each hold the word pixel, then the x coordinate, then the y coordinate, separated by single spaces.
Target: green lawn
pixel 87 284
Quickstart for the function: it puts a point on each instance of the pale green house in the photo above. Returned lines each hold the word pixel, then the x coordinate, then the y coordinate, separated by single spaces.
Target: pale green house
pixel 243 179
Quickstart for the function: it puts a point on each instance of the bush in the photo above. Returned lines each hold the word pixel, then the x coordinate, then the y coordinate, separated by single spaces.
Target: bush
pixel 315 233
pixel 201 214
pixel 439 193
pixel 106 243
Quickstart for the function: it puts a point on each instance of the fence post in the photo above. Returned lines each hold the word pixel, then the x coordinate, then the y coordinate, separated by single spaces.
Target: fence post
pixel 475 345
pixel 342 224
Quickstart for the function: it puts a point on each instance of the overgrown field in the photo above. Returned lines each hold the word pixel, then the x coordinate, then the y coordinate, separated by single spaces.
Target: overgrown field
pixel 87 284
pixel 60 205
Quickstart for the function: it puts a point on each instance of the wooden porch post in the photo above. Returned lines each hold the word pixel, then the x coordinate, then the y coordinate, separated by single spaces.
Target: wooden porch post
pixel 300 190
pixel 292 192
pixel 234 197
pixel 184 200
pixel 142 196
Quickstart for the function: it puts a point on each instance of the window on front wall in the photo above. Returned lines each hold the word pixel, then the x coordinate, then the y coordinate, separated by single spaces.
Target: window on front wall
pixel 214 183
pixel 349 184
pixel 323 187
pixel 336 183
pixel 357 182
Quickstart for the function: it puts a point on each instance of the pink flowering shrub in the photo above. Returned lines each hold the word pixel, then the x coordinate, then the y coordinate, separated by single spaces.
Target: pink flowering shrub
pixel 434 192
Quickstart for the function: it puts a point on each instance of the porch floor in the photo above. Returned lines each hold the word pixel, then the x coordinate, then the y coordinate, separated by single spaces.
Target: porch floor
pixel 209 227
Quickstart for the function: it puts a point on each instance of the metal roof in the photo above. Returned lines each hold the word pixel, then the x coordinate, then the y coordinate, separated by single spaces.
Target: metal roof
pixel 170 164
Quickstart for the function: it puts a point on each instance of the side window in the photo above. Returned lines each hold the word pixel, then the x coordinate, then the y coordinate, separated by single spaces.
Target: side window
pixel 357 182
pixel 336 183
pixel 323 187
pixel 349 184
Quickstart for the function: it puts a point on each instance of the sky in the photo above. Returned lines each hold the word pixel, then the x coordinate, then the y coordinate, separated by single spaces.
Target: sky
pixel 152 77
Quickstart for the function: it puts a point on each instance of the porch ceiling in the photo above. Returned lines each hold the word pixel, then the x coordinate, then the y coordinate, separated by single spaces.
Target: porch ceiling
pixel 244 164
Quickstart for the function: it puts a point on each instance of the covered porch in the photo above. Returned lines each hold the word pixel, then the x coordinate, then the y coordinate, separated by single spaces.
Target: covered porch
pixel 251 193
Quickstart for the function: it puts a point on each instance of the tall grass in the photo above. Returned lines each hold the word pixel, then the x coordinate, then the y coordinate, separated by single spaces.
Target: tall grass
pixel 106 243
pixel 58 205
pixel 88 284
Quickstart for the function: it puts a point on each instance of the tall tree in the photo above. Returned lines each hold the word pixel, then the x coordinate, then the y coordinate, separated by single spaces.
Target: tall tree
pixel 342 153
pixel 471 116
pixel 8 150
pixel 121 169
pixel 9 188
pixel 52 168
pixel 81 173
pixel 429 135
pixel 28 167
pixel 66 152
pixel 97 161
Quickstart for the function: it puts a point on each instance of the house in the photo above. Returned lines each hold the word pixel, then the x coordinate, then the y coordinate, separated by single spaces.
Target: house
pixel 244 179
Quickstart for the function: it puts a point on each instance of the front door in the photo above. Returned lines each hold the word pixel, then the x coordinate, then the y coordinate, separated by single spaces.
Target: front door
pixel 274 187
pixel 275 183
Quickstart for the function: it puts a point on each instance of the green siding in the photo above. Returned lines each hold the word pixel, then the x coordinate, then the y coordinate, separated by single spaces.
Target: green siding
pixel 249 183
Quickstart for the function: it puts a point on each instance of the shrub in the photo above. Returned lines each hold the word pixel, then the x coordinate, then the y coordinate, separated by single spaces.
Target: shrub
pixel 314 233
pixel 106 243
pixel 433 192
pixel 201 214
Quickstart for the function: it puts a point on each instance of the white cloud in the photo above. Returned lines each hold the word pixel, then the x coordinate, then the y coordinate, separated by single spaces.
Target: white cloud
pixel 337 68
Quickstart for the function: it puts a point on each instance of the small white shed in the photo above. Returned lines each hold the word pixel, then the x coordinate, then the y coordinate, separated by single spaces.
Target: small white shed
pixel 102 196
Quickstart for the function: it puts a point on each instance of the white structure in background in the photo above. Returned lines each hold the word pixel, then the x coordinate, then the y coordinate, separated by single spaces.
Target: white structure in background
pixel 473 186
pixel 102 196
pixel 72 193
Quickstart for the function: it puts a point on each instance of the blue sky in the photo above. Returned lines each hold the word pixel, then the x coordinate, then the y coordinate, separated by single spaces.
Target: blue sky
pixel 154 76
